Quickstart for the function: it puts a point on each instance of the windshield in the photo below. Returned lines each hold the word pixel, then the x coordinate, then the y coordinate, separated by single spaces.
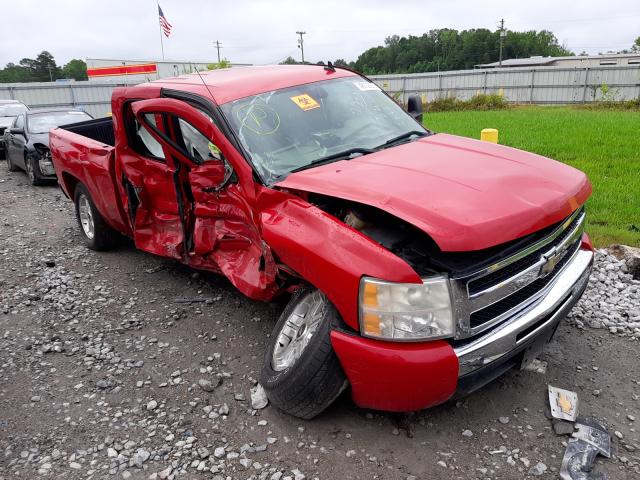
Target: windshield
pixel 290 129
pixel 43 122
pixel 12 109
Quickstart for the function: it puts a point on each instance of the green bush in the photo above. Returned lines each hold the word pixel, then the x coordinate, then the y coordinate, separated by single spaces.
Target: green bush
pixel 611 105
pixel 477 102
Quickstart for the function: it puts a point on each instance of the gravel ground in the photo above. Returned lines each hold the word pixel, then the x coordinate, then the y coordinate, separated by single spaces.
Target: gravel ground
pixel 125 365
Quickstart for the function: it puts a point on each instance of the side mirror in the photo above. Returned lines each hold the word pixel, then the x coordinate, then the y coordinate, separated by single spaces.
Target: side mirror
pixel 414 107
pixel 17 131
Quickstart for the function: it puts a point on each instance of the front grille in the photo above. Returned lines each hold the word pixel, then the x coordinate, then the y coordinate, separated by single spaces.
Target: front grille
pixel 497 277
pixel 502 291
pixel 521 296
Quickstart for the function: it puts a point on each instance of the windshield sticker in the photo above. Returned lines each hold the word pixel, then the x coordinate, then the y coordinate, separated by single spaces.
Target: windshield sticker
pixel 366 86
pixel 259 119
pixel 305 102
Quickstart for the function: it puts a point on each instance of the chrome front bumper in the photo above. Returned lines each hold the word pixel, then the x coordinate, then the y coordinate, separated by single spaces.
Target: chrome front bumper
pixel 556 301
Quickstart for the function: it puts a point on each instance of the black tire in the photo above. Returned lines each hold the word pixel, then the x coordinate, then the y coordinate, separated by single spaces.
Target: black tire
pixel 315 379
pixel 104 237
pixel 10 165
pixel 32 169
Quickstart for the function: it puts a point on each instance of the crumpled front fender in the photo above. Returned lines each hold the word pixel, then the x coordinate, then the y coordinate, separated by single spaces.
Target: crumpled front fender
pixel 327 253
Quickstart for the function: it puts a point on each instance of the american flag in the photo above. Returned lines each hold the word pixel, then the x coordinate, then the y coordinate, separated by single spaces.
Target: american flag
pixel 166 26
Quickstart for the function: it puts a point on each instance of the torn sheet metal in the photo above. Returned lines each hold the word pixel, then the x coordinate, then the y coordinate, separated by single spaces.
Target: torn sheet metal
pixel 590 439
pixel 563 403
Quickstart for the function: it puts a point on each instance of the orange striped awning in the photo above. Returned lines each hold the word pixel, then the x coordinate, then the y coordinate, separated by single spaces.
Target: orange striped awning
pixel 135 69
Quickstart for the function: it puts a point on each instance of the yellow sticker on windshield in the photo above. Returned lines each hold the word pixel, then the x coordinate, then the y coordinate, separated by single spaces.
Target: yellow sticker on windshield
pixel 305 102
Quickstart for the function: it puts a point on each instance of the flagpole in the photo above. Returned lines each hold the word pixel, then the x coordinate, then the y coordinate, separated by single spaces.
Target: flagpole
pixel 160 28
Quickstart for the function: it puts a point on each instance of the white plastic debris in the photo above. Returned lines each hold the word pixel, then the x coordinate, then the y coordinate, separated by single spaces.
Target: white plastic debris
pixel 258 397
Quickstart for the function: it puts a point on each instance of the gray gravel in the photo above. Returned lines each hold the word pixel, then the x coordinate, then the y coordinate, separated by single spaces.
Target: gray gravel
pixel 612 298
pixel 110 369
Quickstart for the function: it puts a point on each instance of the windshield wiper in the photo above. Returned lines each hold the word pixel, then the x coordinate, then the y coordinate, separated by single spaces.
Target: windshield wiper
pixel 401 138
pixel 336 156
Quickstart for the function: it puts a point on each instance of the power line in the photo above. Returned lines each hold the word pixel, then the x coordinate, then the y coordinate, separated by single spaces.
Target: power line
pixel 502 35
pixel 301 43
pixel 218 46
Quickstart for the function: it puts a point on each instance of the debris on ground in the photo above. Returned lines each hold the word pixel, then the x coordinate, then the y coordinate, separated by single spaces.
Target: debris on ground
pixel 258 397
pixel 563 403
pixel 589 440
pixel 535 366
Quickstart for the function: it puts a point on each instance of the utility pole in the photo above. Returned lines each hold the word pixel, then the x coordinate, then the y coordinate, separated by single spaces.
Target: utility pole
pixel 218 45
pixel 50 75
pixel 301 43
pixel 502 35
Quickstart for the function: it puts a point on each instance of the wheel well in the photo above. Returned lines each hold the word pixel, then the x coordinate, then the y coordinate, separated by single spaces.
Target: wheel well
pixel 70 183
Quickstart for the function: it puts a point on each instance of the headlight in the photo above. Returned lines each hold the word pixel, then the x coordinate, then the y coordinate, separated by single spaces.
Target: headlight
pixel 406 311
pixel 41 150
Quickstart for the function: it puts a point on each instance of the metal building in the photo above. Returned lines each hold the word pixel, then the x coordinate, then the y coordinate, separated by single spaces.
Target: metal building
pixel 139 71
pixel 582 61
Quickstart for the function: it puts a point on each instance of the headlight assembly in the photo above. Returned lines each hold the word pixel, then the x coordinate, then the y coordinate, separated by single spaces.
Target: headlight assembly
pixel 406 311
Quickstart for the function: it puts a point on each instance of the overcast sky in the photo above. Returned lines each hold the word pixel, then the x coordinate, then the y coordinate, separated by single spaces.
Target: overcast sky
pixel 263 32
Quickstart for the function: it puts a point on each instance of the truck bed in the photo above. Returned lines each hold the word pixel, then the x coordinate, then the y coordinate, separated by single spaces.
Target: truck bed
pixel 100 130
pixel 85 152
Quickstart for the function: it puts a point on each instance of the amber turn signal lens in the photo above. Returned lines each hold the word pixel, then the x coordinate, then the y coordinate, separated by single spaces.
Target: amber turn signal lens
pixel 370 295
pixel 371 323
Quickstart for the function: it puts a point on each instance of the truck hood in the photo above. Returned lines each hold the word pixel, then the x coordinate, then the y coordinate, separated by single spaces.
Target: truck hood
pixel 466 194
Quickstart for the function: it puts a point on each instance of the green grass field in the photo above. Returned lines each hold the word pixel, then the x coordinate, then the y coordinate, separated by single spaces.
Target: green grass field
pixel 603 143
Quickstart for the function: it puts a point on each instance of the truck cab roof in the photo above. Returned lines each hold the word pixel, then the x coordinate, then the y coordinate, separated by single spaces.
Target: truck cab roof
pixel 229 84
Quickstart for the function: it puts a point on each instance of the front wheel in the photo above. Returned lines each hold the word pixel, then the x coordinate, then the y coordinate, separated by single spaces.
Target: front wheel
pixel 301 373
pixel 97 234
pixel 32 169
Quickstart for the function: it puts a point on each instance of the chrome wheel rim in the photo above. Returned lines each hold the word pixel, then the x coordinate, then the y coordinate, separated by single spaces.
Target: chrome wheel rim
pixel 298 329
pixel 86 216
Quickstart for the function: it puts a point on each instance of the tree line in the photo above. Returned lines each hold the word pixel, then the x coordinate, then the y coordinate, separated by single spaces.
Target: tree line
pixel 43 68
pixel 449 49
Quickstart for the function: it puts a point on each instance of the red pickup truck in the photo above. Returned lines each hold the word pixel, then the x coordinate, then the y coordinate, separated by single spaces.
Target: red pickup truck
pixel 420 265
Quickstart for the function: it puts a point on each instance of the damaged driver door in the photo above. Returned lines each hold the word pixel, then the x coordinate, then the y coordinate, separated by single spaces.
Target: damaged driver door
pixel 145 177
pixel 220 232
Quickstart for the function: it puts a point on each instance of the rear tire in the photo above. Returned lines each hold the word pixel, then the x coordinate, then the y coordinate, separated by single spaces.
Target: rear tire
pixel 97 234
pixel 302 374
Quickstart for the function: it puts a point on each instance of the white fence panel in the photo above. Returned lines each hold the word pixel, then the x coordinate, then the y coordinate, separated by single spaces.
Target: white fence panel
pixel 520 85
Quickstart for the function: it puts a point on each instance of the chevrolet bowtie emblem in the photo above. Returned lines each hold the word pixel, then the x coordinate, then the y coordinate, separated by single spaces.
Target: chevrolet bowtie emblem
pixel 564 403
pixel 550 262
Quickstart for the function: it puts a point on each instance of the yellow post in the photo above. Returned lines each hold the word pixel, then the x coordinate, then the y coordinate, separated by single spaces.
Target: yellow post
pixel 489 135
